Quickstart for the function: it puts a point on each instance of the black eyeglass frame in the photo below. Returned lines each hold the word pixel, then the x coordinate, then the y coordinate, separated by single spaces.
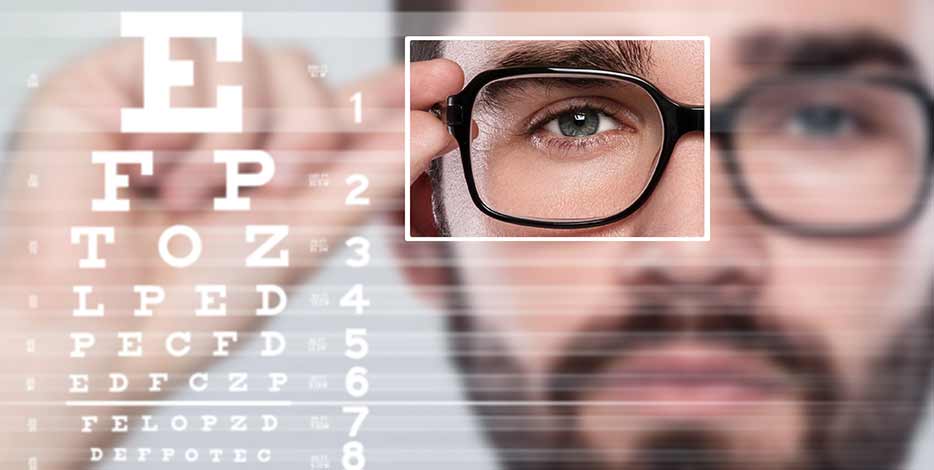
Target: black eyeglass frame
pixel 677 119
pixel 724 123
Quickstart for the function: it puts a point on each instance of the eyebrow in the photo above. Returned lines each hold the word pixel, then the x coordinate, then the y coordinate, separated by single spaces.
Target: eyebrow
pixel 634 57
pixel 824 51
pixel 500 94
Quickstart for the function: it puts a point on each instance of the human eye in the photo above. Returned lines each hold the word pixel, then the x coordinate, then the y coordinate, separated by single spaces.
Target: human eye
pixel 581 127
pixel 824 121
pixel 579 123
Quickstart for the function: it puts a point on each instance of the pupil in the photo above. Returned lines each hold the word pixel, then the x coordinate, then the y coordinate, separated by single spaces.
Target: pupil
pixel 579 123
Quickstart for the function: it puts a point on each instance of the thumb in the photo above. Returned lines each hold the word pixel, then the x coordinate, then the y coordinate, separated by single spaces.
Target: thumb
pixel 430 82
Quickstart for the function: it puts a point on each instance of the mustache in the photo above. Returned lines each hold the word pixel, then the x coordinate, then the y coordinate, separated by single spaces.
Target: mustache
pixel 706 317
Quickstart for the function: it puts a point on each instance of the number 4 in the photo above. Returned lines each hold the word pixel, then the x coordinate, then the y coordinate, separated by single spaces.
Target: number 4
pixel 354 298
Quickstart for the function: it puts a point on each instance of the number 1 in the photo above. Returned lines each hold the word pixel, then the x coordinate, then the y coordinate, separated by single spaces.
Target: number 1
pixel 357 100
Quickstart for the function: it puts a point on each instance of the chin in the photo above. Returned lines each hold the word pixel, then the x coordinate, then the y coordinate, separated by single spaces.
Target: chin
pixel 650 438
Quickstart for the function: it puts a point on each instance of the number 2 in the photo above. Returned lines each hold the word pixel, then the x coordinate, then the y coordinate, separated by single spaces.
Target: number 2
pixel 358 184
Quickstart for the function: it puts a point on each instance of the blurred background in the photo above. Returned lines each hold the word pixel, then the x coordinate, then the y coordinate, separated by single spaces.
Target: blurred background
pixel 352 39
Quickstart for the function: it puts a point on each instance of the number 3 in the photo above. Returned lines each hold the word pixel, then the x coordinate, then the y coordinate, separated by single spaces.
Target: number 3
pixel 361 248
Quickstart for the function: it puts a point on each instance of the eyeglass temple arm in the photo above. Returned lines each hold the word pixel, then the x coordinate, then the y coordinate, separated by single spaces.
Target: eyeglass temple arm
pixel 690 119
pixel 931 124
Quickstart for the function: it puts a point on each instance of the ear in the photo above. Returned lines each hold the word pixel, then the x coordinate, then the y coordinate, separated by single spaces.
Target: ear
pixel 420 259
pixel 421 212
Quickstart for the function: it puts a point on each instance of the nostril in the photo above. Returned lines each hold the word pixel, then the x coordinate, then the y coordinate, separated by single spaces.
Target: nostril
pixel 734 276
pixel 731 275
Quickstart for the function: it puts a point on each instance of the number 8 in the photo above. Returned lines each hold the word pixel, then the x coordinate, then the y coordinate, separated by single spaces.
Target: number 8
pixel 353 456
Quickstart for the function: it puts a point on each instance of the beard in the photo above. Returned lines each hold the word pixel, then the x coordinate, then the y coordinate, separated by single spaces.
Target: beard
pixel 869 431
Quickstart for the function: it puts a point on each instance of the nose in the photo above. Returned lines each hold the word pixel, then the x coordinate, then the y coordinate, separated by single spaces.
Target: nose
pixel 736 256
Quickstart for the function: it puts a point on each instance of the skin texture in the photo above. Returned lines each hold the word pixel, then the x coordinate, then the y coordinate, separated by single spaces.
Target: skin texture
pixel 856 299
pixel 676 208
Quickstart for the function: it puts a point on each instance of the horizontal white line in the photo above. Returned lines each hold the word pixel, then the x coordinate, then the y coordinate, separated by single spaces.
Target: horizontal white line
pixel 313 403
pixel 179 403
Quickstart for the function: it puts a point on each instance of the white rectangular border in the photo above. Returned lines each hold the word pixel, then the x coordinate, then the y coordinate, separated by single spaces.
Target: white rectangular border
pixel 706 39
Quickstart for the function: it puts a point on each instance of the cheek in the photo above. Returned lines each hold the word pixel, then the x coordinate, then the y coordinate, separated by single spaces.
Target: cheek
pixel 676 208
pixel 541 293
pixel 463 218
pixel 868 291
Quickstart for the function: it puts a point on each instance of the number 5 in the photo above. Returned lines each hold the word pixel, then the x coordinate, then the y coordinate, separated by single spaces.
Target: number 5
pixel 357 347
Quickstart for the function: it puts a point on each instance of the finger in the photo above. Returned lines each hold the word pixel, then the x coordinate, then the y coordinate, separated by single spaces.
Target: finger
pixel 428 139
pixel 301 119
pixel 373 150
pixel 168 148
pixel 380 96
pixel 432 81
pixel 195 179
pixel 92 91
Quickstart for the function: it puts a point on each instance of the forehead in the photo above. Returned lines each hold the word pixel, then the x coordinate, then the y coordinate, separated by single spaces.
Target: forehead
pixel 630 55
pixel 725 21
pixel 675 66
pixel 729 23
pixel 693 15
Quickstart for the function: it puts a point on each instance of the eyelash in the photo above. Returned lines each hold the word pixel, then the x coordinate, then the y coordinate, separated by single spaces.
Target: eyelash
pixel 567 144
pixel 539 123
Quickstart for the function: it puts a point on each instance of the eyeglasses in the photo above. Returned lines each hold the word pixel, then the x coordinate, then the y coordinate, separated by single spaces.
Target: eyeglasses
pixel 830 154
pixel 563 147
pixel 816 154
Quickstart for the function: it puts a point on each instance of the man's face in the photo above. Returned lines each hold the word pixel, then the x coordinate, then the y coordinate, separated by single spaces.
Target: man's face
pixel 758 349
pixel 547 171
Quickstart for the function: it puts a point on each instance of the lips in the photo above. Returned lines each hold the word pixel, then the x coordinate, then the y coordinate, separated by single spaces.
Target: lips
pixel 692 378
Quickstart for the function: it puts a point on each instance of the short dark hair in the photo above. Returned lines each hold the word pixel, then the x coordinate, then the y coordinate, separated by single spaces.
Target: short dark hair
pixel 425 50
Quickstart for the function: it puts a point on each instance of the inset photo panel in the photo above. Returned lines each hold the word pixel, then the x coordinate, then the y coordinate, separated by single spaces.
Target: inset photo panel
pixel 557 138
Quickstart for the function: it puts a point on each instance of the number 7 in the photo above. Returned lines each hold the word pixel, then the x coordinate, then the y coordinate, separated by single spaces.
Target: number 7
pixel 362 412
